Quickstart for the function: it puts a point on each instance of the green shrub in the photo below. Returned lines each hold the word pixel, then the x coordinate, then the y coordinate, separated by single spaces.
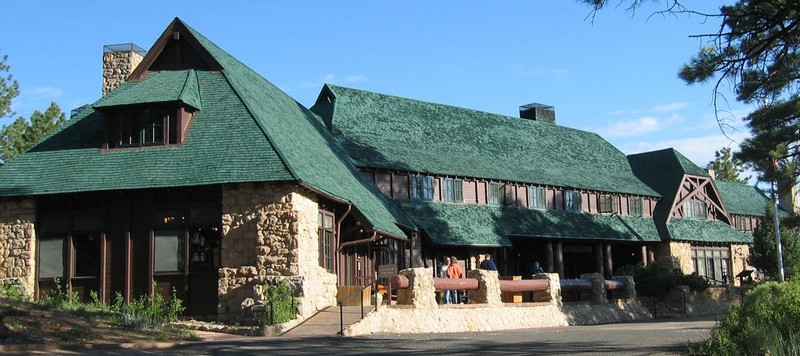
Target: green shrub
pixel 283 306
pixel 147 311
pixel 768 322
pixel 694 282
pixel 654 280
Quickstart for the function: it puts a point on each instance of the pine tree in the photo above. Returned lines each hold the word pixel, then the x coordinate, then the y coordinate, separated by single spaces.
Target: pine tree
pixel 23 134
pixel 727 168
pixel 763 254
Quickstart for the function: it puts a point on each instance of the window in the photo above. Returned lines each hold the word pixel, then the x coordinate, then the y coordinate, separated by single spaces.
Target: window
pixel 636 206
pixel 609 203
pixel 140 127
pixel 326 241
pixel 51 257
pixel 695 209
pixel 168 251
pixel 537 197
pixel 508 194
pixel 422 187
pixel 572 200
pixel 494 194
pixel 712 263
pixel 743 223
pixel 452 190
pixel 87 255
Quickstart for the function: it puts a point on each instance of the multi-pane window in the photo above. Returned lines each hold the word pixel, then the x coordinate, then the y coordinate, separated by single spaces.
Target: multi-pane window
pixel 494 195
pixel 695 209
pixel 508 191
pixel 452 190
pixel 712 263
pixel 149 126
pixel 572 200
pixel 537 197
pixel 326 240
pixel 636 206
pixel 422 187
pixel 609 203
pixel 743 223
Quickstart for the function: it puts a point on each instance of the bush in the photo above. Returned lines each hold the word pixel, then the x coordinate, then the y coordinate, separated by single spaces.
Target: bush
pixel 693 281
pixel 768 322
pixel 654 280
pixel 283 308
pixel 148 310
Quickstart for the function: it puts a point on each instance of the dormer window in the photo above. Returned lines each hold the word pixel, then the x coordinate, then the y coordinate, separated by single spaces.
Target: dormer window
pixel 145 126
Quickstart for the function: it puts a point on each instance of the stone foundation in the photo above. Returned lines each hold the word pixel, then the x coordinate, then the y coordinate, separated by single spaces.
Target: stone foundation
pixel 417 312
pixel 17 244
pixel 269 235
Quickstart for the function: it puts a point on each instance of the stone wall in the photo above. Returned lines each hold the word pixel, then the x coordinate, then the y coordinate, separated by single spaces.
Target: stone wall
pixel 117 67
pixel 269 235
pixel 739 256
pixel 17 244
pixel 677 254
pixel 416 311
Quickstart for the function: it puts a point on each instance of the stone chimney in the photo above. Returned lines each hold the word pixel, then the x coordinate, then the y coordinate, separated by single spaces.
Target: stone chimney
pixel 711 172
pixel 538 112
pixel 119 61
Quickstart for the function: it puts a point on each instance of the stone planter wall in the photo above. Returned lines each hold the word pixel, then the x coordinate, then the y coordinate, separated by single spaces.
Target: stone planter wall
pixel 269 235
pixel 17 244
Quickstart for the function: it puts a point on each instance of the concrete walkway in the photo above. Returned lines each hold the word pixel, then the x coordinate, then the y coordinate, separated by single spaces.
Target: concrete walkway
pixel 327 322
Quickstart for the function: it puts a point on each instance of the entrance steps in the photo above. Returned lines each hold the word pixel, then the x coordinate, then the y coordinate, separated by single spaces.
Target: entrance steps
pixel 327 322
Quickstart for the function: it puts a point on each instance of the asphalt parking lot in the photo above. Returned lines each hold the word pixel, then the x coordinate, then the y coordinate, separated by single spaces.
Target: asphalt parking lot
pixel 659 337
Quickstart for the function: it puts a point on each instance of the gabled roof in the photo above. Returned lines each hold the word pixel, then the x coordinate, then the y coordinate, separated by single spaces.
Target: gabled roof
pixel 384 131
pixel 161 87
pixel 664 171
pixel 482 225
pixel 247 131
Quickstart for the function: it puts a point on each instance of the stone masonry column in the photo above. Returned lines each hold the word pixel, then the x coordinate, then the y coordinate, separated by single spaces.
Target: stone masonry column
pixel 554 289
pixel 488 288
pixel 420 293
pixel 629 288
pixel 18 244
pixel 598 292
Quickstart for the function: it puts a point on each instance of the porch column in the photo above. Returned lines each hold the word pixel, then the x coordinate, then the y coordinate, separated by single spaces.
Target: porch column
pixel 644 255
pixel 548 263
pixel 558 251
pixel 609 263
pixel 598 258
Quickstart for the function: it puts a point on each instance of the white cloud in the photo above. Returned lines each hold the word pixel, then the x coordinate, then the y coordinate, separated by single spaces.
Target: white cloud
pixel 637 127
pixel 669 107
pixel 699 150
pixel 332 78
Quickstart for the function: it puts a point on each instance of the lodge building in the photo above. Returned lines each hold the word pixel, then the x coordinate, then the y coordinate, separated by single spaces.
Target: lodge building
pixel 195 174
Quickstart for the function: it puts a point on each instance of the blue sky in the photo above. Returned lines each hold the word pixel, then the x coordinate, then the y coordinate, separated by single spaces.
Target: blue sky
pixel 616 75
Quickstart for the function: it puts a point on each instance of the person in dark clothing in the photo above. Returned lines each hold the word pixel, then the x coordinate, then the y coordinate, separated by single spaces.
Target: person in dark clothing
pixel 488 264
pixel 536 268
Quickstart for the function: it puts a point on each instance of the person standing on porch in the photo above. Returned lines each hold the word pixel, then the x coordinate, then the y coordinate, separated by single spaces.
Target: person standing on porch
pixel 454 271
pixel 443 274
pixel 488 264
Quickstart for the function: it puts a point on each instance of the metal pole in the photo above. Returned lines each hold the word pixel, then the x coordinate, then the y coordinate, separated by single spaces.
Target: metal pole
pixel 778 247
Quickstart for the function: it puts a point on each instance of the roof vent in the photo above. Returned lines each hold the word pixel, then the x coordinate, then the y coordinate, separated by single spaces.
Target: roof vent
pixel 538 112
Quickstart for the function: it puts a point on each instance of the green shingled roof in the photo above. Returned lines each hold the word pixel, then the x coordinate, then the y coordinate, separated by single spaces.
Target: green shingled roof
pixel 482 225
pixel 158 87
pixel 247 131
pixel 742 199
pixel 664 170
pixel 384 131
pixel 706 231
